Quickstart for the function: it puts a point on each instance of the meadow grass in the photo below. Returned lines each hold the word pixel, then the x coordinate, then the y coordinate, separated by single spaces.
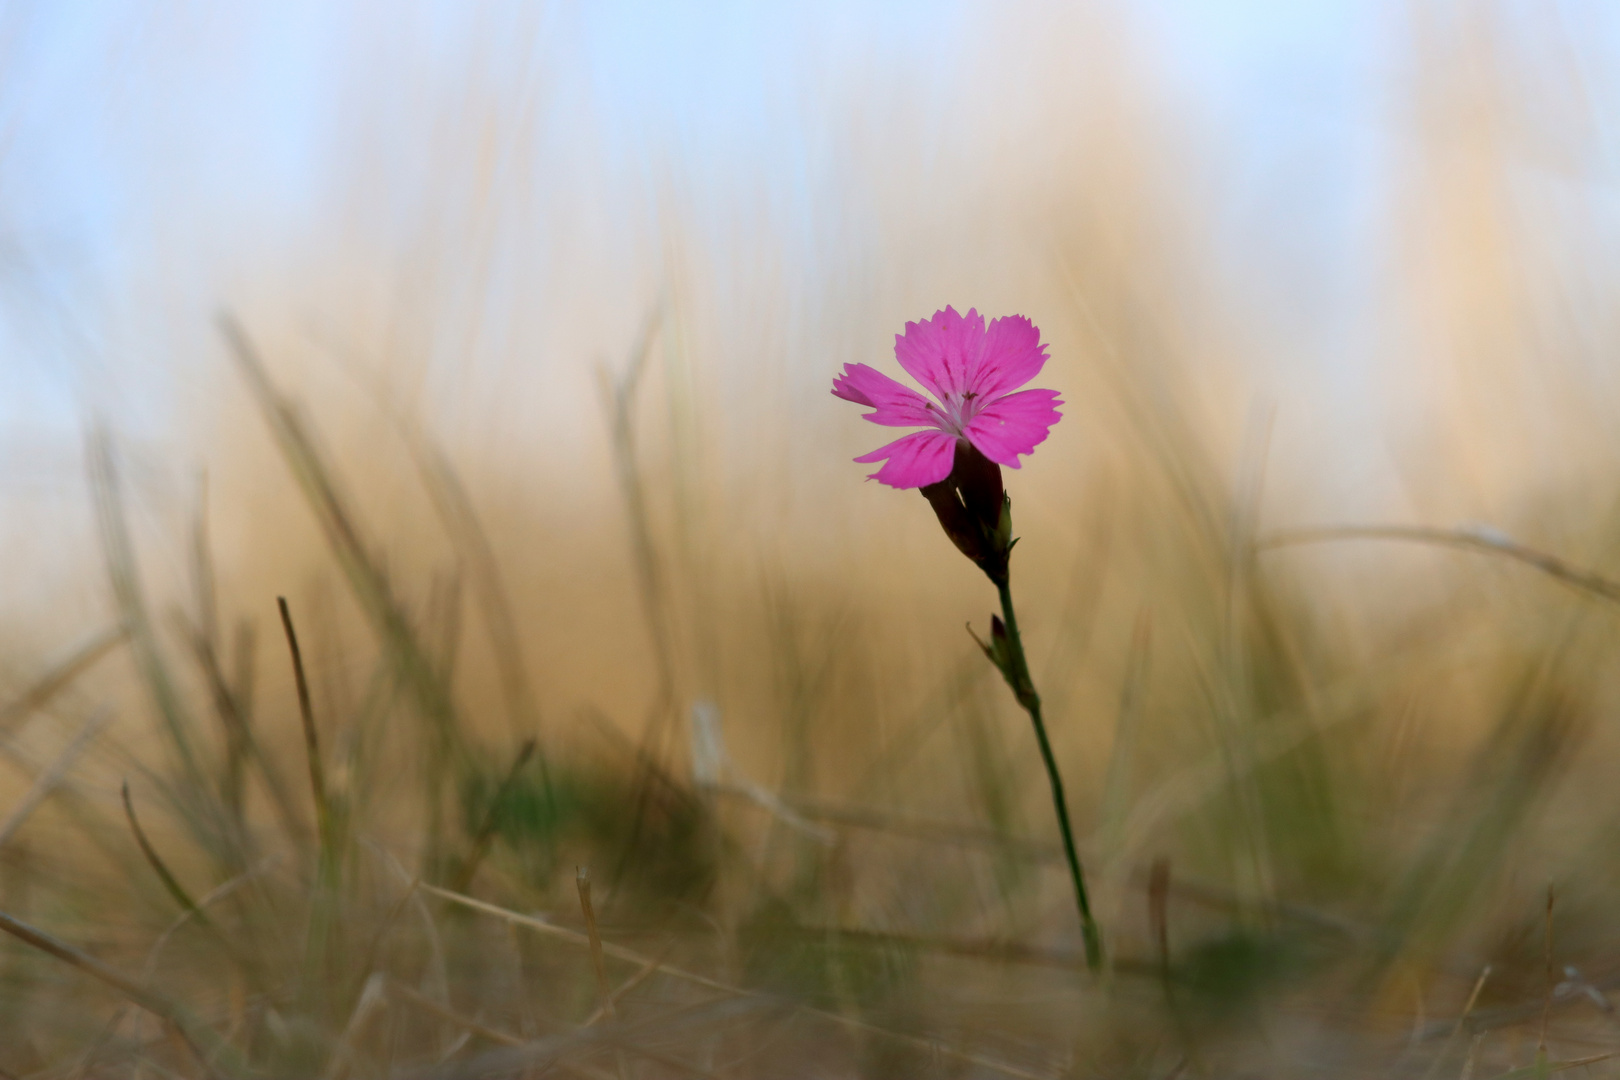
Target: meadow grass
pixel 1294 872
pixel 676 761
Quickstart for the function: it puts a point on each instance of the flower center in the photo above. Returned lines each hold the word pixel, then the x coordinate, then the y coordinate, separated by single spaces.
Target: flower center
pixel 956 412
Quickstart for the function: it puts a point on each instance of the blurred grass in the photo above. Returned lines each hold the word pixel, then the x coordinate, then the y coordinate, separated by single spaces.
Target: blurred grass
pixel 1321 787
pixel 1257 754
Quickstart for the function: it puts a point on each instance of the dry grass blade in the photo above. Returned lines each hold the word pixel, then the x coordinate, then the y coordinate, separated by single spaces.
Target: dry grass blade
pixel 119 552
pixel 365 575
pixel 83 657
pixel 466 1023
pixel 170 883
pixel 241 744
pixel 988 950
pixel 323 915
pixel 1503 1016
pixel 574 937
pixel 79 805
pixel 938 832
pixel 1535 737
pixel 373 997
pixel 620 953
pixel 312 744
pixel 94 1051
pixel 52 776
pixel 619 396
pixel 455 509
pixel 244 961
pixel 204 582
pixel 647 971
pixel 1547 957
pixel 551 1046
pixel 1158 896
pixel 711 763
pixel 491 823
pixel 1477 538
pixel 1223 898
pixel 1115 810
pixel 1185 790
pixel 1462 1021
pixel 209 1047
pixel 582 881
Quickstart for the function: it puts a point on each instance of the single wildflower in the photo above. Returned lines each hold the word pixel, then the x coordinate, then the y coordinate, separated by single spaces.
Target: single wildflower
pixel 978 421
pixel 973 372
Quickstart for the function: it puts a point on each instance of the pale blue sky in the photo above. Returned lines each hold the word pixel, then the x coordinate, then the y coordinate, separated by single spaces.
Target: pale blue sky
pixel 170 141
pixel 116 115
pixel 494 194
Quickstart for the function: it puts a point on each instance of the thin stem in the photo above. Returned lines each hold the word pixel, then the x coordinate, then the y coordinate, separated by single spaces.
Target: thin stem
pixel 318 944
pixel 312 744
pixel 1017 673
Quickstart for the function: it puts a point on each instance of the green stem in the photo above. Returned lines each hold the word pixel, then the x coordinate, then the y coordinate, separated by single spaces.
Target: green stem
pixel 1018 677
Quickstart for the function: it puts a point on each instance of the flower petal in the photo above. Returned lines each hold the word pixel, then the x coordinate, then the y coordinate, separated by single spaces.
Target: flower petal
pixel 1013 355
pixel 1014 425
pixel 942 353
pixel 897 405
pixel 915 460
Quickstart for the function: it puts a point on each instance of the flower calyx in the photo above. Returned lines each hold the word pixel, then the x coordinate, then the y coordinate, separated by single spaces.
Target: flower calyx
pixel 975 511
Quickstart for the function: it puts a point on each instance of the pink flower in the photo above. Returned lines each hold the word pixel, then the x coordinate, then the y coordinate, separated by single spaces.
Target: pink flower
pixel 971 371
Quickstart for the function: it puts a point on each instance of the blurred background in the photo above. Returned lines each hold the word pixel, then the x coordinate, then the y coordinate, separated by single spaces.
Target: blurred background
pixel 1384 226
pixel 582 273
pixel 461 214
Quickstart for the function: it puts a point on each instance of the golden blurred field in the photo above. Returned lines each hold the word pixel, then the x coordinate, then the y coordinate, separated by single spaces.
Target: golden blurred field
pixel 518 395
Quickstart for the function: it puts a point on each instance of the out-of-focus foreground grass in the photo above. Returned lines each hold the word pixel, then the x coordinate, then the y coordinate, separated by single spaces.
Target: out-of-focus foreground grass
pixel 667 756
